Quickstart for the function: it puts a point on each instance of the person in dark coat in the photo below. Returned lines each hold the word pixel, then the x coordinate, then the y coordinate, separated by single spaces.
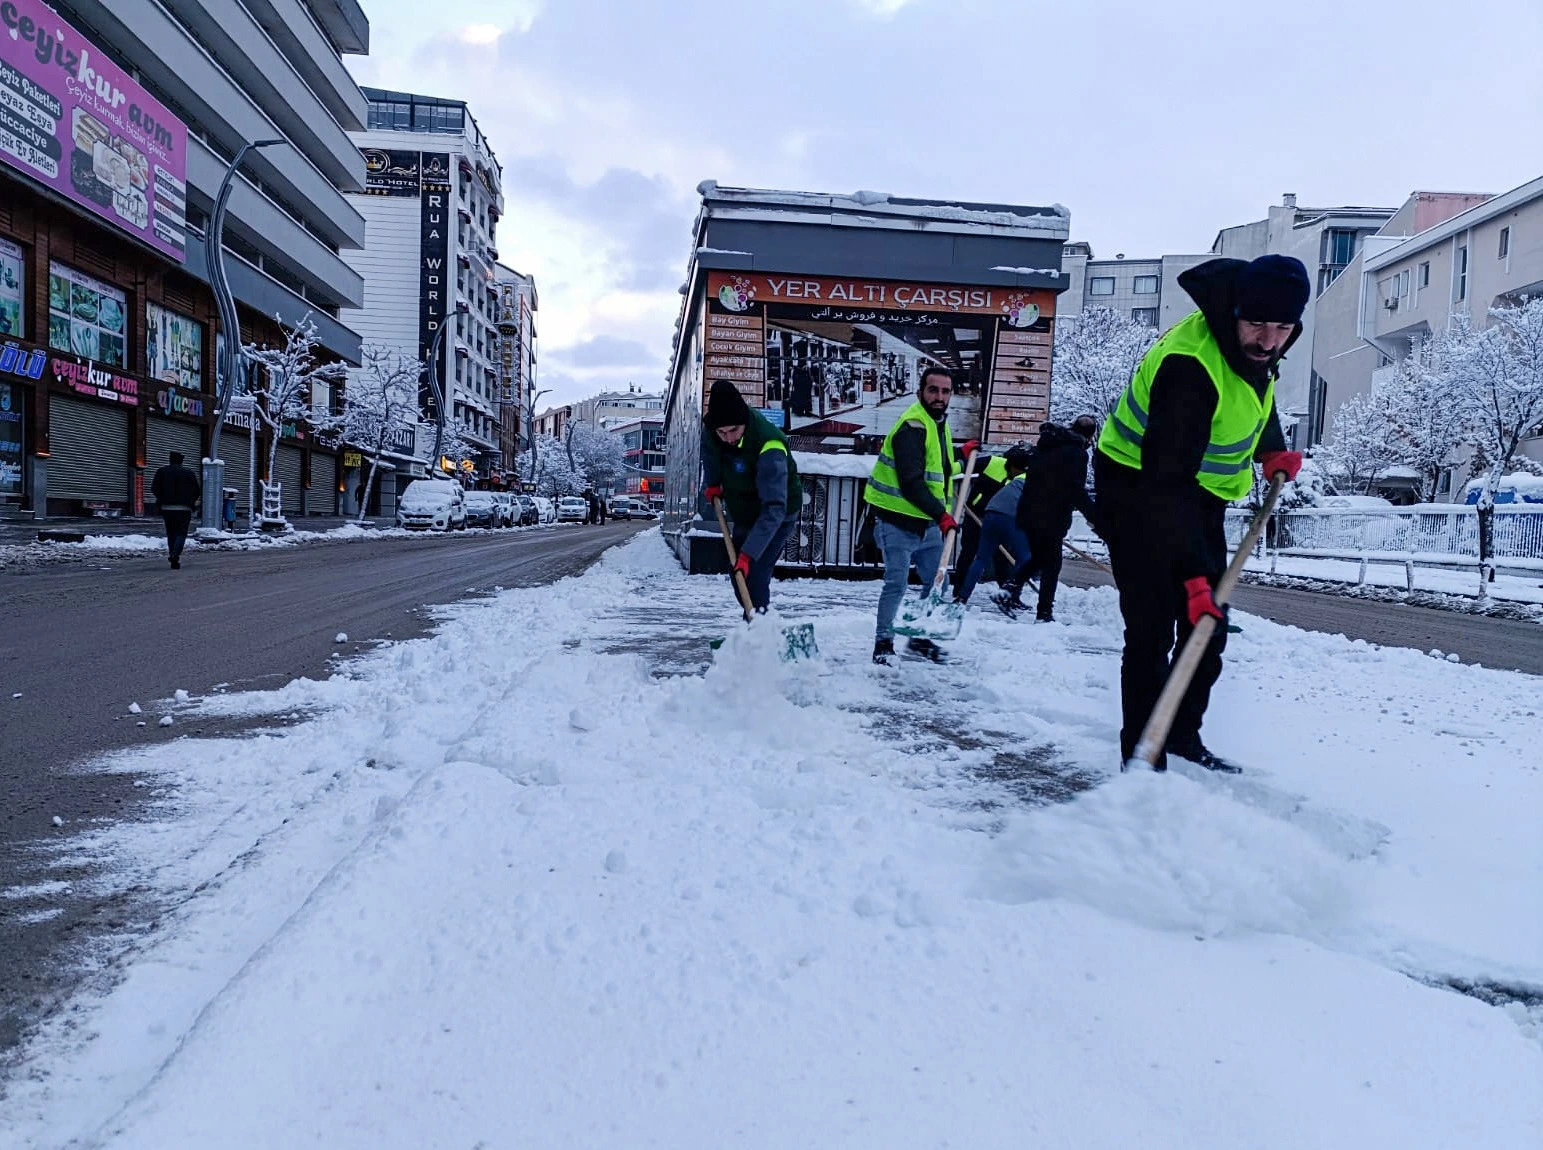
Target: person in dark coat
pixel 176 491
pixel 1181 444
pixel 1054 485
pixel 803 389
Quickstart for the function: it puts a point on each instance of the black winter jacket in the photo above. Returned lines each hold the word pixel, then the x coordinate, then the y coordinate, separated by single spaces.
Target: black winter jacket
pixel 1055 483
pixel 175 486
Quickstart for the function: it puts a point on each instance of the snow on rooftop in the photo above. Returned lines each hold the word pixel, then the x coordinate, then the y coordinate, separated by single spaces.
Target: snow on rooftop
pixel 1052 220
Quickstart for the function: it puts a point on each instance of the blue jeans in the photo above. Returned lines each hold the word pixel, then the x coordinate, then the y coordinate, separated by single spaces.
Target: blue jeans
pixel 902 548
pixel 997 530
pixel 759 580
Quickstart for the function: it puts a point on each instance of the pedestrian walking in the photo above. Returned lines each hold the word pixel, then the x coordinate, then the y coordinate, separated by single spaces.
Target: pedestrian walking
pixel 1054 485
pixel 1178 447
pixel 999 528
pixel 908 492
pixel 176 492
pixel 746 463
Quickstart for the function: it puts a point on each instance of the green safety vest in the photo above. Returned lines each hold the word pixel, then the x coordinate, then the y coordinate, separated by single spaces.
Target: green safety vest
pixel 1227 470
pixel 737 468
pixel 884 484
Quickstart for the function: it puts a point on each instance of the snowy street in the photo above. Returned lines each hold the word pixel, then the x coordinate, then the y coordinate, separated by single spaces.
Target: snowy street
pixel 561 875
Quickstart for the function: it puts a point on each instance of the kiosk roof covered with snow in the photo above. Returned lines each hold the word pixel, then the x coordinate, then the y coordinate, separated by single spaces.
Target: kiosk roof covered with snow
pixel 825 309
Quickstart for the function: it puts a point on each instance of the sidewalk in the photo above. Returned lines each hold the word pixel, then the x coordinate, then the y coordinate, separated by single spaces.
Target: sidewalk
pixel 21 531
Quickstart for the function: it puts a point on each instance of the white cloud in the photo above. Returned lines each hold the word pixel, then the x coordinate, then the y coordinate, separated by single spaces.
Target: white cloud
pixel 882 8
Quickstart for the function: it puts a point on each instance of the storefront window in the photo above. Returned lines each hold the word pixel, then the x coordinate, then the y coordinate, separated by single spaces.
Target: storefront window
pixel 174 348
pixel 13 425
pixel 13 290
pixel 87 317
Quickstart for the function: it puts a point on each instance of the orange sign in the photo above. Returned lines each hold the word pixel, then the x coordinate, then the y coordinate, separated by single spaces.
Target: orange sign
pixel 740 291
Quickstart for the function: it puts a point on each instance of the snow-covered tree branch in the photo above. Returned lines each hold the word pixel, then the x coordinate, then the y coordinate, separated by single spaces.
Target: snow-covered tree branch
pixel 381 402
pixel 1096 354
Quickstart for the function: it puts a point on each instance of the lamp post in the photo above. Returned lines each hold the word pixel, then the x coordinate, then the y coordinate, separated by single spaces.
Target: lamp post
pixel 435 346
pixel 230 324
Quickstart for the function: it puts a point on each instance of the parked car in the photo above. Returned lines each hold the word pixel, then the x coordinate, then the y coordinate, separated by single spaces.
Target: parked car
pixel 432 505
pixel 572 509
pixel 483 510
pixel 529 513
pixel 547 508
pixel 509 508
pixel 624 508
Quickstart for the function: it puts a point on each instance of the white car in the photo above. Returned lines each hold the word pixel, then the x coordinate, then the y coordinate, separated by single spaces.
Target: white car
pixel 546 508
pixel 572 509
pixel 432 505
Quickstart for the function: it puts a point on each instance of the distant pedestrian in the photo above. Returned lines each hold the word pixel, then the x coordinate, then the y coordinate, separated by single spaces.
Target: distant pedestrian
pixel 176 491
pixel 999 528
pixel 600 510
pixel 591 515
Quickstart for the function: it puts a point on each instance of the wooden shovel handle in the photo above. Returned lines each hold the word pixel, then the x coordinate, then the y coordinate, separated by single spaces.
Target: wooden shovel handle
pixel 735 577
pixel 1154 736
pixel 952 537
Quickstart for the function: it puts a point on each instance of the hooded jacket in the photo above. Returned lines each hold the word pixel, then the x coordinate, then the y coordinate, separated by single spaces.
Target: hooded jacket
pixel 1055 483
pixel 1183 402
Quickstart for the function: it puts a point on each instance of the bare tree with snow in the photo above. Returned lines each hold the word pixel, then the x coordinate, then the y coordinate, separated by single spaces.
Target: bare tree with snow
pixel 381 403
pixel 594 453
pixel 1364 446
pixel 1428 415
pixel 1096 353
pixel 1497 372
pixel 292 387
pixel 550 470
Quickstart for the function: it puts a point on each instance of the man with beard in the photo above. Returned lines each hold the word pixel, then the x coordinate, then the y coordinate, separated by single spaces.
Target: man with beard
pixel 908 493
pixel 1178 447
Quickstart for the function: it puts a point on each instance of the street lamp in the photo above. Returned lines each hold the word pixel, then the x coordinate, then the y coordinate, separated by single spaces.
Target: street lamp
pixel 434 385
pixel 230 324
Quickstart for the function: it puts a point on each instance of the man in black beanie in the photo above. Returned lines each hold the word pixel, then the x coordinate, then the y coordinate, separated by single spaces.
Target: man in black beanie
pixel 746 463
pixel 1179 446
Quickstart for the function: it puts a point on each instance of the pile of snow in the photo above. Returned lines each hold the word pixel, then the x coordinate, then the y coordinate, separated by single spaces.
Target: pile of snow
pixel 574 891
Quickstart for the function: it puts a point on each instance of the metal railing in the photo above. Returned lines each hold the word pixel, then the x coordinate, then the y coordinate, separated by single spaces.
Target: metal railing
pixel 1435 532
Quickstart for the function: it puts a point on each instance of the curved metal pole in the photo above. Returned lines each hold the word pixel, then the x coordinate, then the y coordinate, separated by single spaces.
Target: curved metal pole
pixel 230 325
pixel 436 387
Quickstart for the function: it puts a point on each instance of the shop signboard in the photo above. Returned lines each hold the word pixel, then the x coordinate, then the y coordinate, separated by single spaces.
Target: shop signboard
pixel 75 122
pixel 174 401
pixel 840 359
pixel 13 430
pixel 86 378
pixel 388 172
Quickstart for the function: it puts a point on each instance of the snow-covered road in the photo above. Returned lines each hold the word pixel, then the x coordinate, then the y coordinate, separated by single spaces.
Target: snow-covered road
pixel 520 884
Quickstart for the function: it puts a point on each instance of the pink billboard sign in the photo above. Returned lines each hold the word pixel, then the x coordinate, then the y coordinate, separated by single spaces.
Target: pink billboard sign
pixel 72 120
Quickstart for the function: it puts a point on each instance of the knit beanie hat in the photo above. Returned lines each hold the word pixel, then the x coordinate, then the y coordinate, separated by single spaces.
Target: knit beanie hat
pixel 1273 289
pixel 725 406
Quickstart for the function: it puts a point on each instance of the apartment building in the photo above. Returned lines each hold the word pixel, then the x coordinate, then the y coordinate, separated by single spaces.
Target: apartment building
pixel 517 308
pixel 432 197
pixel 108 331
pixel 1442 253
pixel 1145 291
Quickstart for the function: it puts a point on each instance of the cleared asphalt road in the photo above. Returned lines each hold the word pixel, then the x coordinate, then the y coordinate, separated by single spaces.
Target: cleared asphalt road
pixel 1505 644
pixel 79 642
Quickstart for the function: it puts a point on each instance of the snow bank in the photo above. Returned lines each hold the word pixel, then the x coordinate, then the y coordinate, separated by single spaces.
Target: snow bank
pixel 572 894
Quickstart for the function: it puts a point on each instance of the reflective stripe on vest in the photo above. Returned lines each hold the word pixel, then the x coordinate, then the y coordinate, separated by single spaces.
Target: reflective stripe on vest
pixel 1227 468
pixel 884 484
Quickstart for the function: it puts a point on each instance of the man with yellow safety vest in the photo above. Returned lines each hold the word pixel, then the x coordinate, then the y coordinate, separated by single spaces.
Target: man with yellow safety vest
pixel 1179 446
pixel 908 493
pixel 746 463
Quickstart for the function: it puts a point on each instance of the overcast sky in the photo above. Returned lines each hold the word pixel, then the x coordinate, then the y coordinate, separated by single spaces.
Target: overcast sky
pixel 1155 123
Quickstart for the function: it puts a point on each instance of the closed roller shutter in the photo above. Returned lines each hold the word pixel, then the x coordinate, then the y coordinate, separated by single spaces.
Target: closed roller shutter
pixel 287 470
pixel 163 436
pixel 323 496
pixel 236 453
pixel 88 447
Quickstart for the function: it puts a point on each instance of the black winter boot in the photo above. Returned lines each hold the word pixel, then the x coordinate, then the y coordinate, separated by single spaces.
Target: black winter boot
pixel 1195 751
pixel 926 649
pixel 883 651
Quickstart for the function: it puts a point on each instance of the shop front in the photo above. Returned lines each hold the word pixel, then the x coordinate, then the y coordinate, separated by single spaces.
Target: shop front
pixel 91 461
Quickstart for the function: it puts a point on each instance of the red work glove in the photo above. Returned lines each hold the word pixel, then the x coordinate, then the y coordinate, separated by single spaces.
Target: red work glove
pixel 948 523
pixel 712 494
pixel 1288 461
pixel 968 448
pixel 1199 602
pixel 742 565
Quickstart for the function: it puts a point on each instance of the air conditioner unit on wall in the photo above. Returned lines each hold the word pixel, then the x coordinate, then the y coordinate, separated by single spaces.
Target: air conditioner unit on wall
pixel 1391 304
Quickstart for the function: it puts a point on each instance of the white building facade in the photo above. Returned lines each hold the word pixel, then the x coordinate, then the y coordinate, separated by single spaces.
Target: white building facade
pixel 432 202
pixel 518 304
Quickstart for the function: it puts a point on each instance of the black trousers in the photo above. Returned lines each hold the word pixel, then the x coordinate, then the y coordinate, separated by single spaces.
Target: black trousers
pixel 1045 546
pixel 1152 604
pixel 176 531
pixel 969 543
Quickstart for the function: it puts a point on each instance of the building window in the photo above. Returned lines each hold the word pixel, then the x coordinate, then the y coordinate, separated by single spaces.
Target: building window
pixel 1145 285
pixel 1146 316
pixel 1425 274
pixel 87 317
pixel 1101 285
pixel 1462 272
pixel 1505 243
pixel 174 348
pixel 1339 246
pixel 1403 283
pixel 13 290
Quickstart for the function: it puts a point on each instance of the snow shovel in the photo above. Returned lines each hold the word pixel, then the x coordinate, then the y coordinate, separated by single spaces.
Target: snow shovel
pixel 797 640
pixel 932 617
pixel 1154 736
